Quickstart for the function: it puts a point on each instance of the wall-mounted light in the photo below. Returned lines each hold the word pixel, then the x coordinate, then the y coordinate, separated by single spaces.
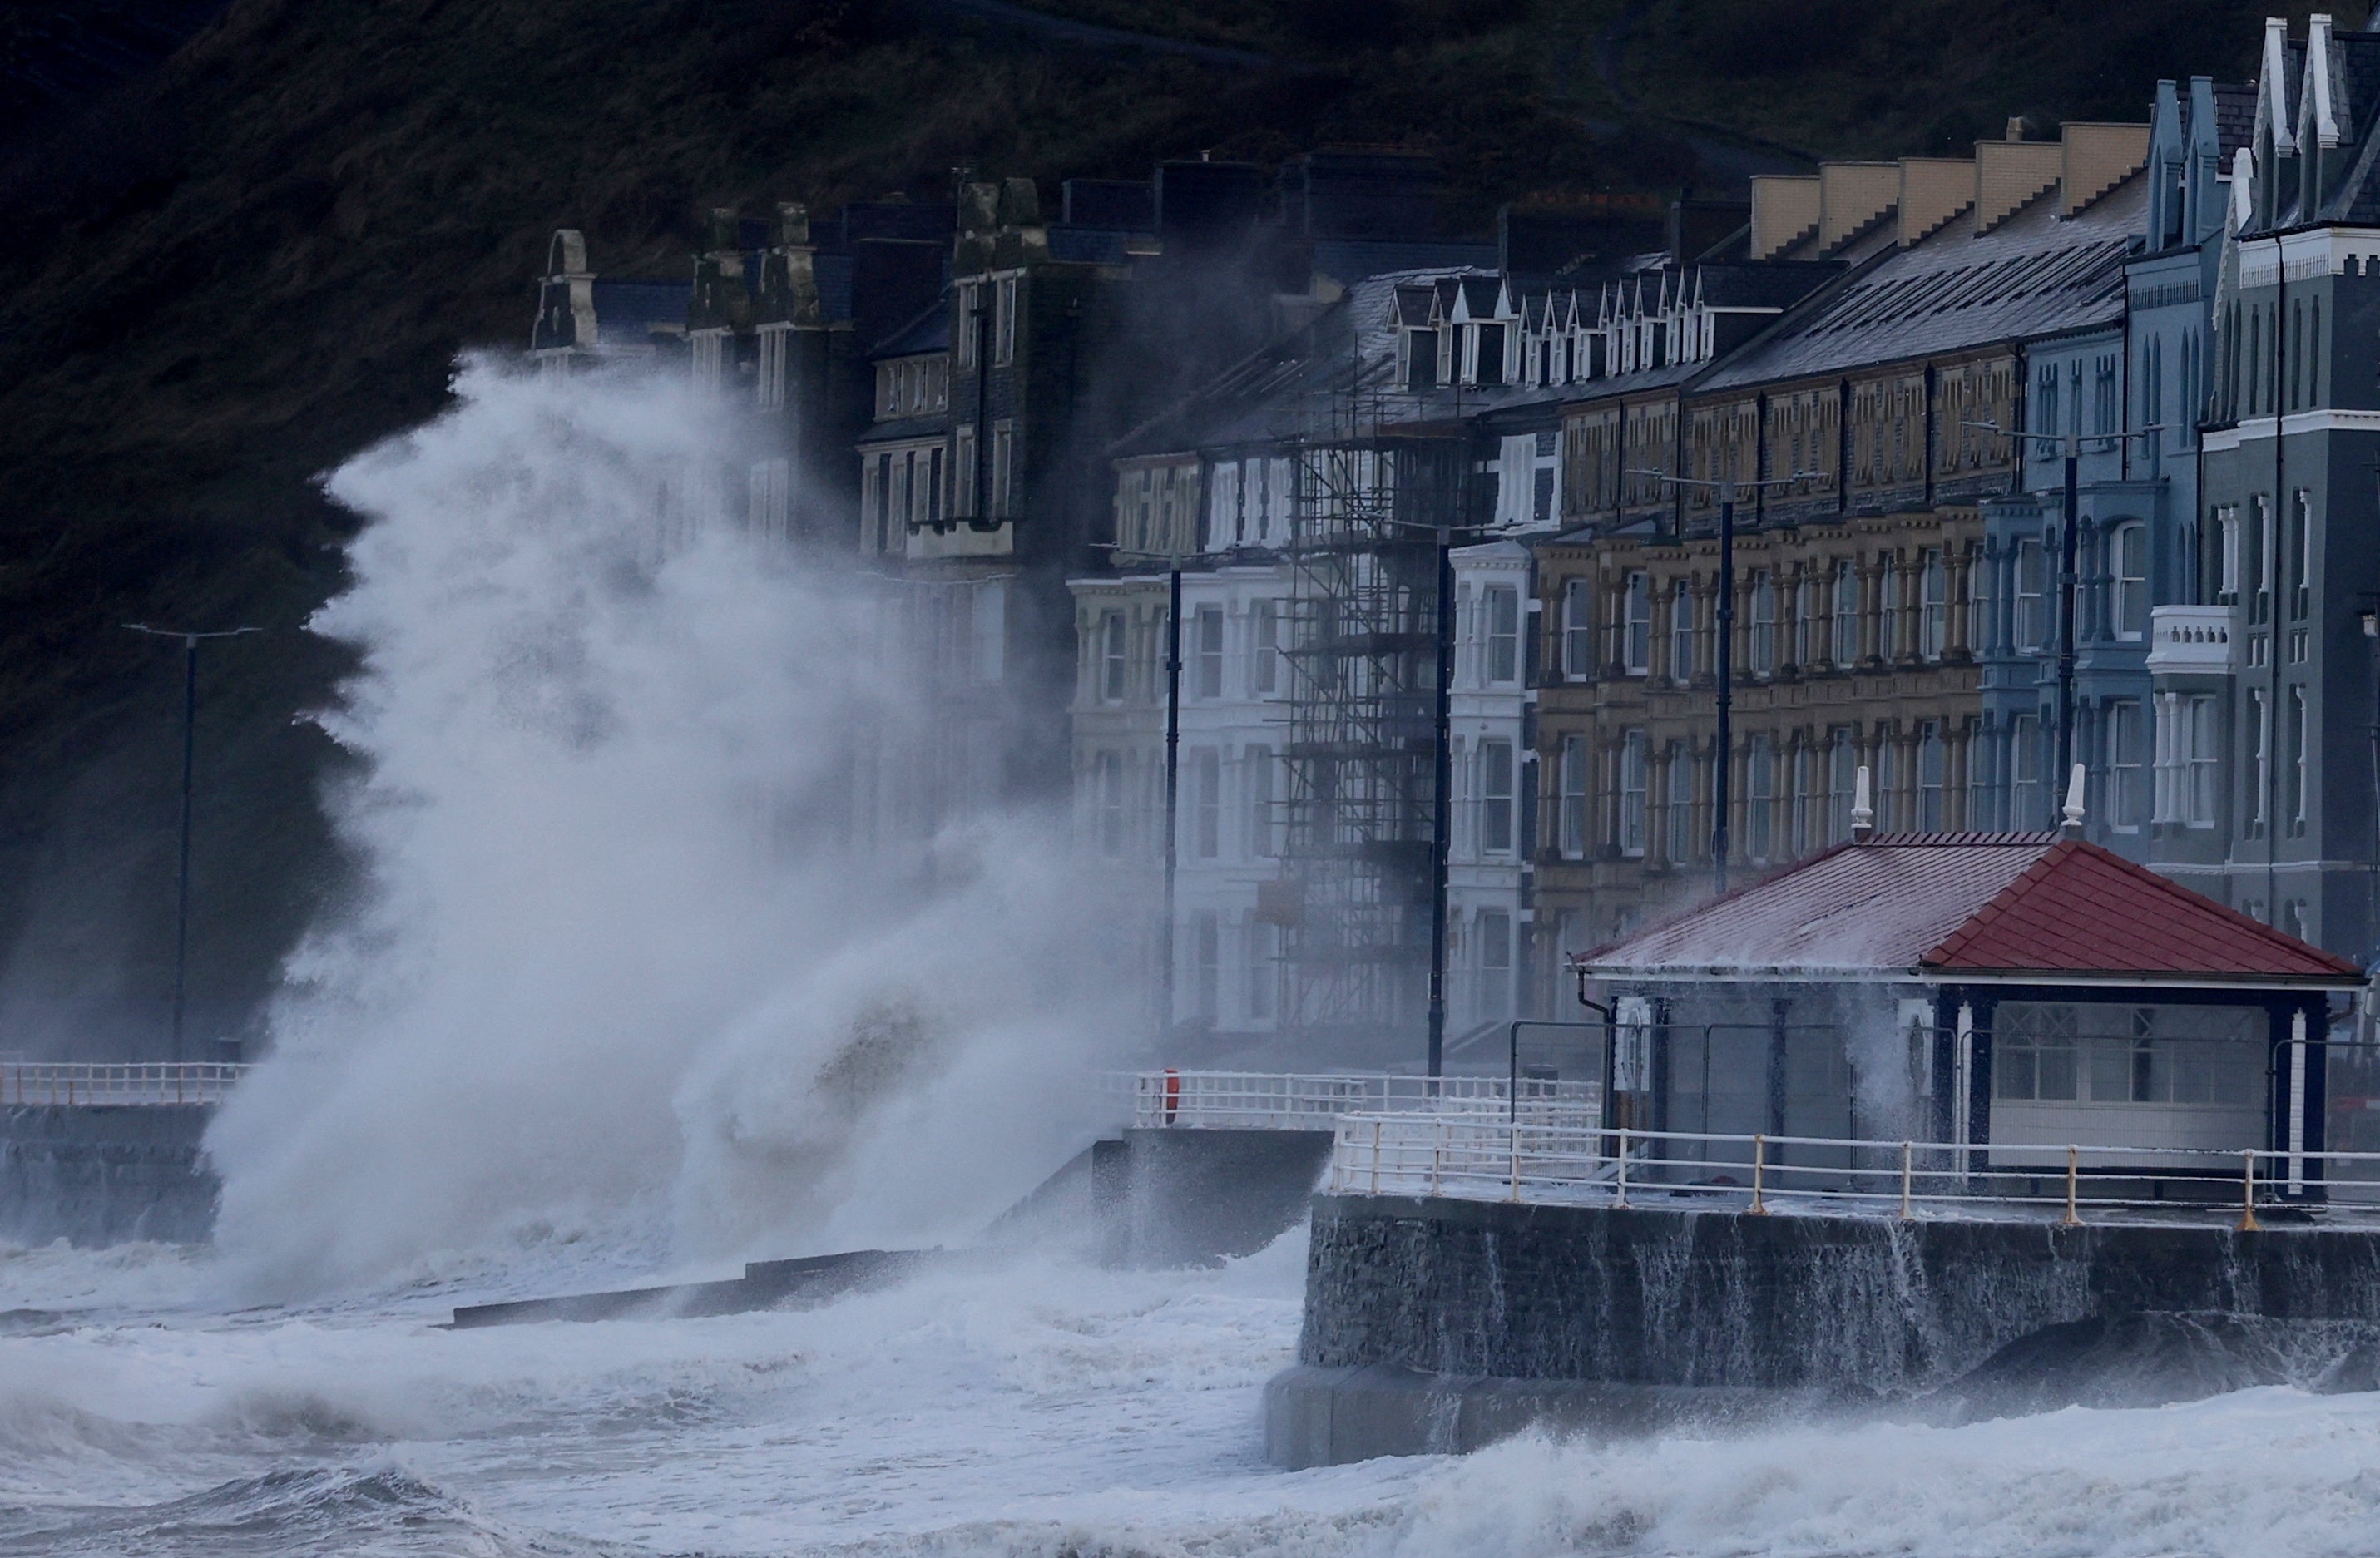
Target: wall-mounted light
pixel 2371 620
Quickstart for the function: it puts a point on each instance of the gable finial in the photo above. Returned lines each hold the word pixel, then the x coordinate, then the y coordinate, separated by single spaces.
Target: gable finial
pixel 2072 826
pixel 1862 813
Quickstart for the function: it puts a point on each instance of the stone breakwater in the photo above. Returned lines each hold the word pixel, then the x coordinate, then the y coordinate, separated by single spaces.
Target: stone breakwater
pixel 1431 1325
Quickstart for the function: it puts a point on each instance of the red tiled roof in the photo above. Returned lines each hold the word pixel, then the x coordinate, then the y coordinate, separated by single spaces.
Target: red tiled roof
pixel 2083 909
pixel 2005 903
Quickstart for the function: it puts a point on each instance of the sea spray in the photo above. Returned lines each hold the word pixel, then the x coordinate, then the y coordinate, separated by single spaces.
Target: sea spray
pixel 617 970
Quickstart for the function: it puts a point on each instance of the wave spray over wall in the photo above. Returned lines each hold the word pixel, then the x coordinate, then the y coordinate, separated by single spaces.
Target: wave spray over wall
pixel 616 972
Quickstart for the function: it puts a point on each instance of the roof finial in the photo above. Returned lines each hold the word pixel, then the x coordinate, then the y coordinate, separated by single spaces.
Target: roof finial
pixel 2073 824
pixel 1863 814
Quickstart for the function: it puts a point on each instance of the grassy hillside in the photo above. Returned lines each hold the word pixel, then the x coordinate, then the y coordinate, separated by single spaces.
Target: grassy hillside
pixel 231 274
pixel 1851 77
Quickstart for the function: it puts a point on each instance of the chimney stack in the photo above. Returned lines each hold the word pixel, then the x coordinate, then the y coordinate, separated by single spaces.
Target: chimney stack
pixel 1863 814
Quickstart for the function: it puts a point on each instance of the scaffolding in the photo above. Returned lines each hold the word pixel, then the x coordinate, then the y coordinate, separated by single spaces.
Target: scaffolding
pixel 1369 505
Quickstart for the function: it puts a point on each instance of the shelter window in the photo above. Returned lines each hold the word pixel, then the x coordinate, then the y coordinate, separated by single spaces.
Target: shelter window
pixel 2111 1054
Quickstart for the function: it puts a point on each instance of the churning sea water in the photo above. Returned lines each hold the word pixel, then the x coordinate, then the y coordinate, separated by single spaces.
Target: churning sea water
pixel 1045 1408
pixel 613 971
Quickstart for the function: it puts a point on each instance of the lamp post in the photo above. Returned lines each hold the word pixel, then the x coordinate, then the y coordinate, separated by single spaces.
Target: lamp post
pixel 2068 565
pixel 1441 811
pixel 190 763
pixel 1173 776
pixel 1723 627
pixel 1172 559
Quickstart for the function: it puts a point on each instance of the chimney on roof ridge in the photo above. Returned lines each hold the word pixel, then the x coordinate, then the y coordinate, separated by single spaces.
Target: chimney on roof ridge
pixel 2016 127
pixel 1862 813
pixel 2072 825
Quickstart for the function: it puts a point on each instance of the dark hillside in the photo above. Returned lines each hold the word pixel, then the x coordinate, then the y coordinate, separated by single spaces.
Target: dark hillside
pixel 229 273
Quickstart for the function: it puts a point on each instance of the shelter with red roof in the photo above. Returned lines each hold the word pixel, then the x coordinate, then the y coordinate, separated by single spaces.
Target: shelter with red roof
pixel 1973 988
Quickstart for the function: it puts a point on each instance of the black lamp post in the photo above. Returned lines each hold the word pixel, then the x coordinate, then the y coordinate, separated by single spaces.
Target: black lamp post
pixel 1723 628
pixel 189 763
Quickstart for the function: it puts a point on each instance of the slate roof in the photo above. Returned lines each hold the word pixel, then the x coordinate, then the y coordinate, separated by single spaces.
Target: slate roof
pixel 1349 261
pixel 1973 904
pixel 1294 383
pixel 929 332
pixel 2235 118
pixel 2034 274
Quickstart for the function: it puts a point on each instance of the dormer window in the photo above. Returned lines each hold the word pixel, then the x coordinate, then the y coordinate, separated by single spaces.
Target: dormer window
pixel 1484 346
pixel 1417 358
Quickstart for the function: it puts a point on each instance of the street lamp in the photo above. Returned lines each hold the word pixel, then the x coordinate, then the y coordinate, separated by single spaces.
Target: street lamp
pixel 190 761
pixel 1724 629
pixel 1173 560
pixel 2068 546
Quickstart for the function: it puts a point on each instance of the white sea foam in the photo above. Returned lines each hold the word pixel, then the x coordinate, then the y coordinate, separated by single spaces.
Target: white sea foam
pixel 587 1029
pixel 1047 1409
pixel 615 978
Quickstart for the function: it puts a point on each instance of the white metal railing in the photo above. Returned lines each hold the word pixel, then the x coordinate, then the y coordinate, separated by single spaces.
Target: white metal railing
pixel 1475 1157
pixel 1269 1101
pixel 82 1083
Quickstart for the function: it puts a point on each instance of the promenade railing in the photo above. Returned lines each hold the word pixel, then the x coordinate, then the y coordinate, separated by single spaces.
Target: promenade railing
pixel 128 1083
pixel 1268 1100
pixel 1461 1155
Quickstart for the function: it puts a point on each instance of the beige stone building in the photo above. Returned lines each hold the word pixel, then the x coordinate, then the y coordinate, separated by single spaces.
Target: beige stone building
pixel 1857 426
